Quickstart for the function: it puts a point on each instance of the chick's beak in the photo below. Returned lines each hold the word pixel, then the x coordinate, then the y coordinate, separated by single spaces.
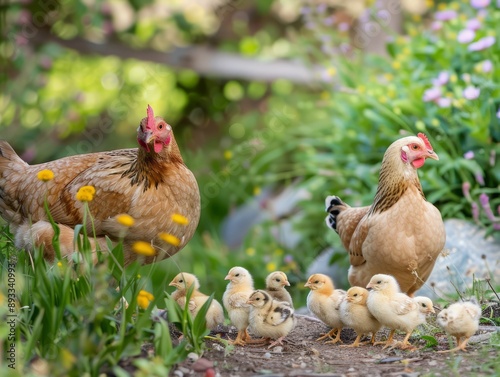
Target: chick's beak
pixel 171 283
pixel 287 283
pixel 369 286
pixel 307 285
pixel 228 277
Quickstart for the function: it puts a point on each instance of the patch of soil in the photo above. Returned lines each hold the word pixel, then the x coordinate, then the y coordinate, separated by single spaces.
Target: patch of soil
pixel 302 355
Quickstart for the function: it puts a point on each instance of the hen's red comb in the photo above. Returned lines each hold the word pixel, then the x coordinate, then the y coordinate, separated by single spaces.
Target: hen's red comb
pixel 151 118
pixel 425 140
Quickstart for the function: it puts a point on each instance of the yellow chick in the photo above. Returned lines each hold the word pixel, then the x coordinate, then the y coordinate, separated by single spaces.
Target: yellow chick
pixel 324 302
pixel 235 298
pixel 275 286
pixel 355 314
pixel 394 309
pixel 184 280
pixel 270 318
pixel 460 320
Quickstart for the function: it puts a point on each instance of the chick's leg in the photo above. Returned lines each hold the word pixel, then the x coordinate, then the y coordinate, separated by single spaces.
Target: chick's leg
pixel 404 344
pixel 388 342
pixel 459 347
pixel 329 334
pixel 337 338
pixel 356 342
pixel 240 338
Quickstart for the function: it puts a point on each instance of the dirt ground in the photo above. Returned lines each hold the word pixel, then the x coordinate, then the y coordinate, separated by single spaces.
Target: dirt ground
pixel 302 355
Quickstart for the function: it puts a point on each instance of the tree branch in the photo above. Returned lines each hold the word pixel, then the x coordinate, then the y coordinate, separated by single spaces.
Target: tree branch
pixel 201 59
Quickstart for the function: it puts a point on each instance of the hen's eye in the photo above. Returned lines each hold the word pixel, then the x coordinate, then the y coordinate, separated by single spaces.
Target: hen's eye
pixel 160 126
pixel 414 146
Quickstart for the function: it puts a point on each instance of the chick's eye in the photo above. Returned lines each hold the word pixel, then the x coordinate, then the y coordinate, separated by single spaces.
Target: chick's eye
pixel 355 295
pixel 278 280
pixel 424 305
pixel 316 282
pixel 379 282
pixel 181 281
pixel 237 275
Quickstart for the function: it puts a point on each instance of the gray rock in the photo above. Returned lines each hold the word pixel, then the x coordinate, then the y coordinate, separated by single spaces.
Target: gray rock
pixel 468 255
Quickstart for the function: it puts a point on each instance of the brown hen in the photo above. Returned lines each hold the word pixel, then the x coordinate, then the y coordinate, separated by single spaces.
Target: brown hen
pixel 150 183
pixel 400 234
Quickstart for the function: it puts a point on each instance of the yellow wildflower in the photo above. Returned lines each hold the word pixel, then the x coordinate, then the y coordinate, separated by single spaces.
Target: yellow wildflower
pixel 256 190
pixel 143 248
pixel 324 95
pixel 331 71
pixel 170 238
pixel 125 220
pixel 59 264
pixel 271 266
pixel 85 194
pixel 45 175
pixel 144 298
pixel 180 219
pixel 228 155
pixel 396 64
pixel 250 251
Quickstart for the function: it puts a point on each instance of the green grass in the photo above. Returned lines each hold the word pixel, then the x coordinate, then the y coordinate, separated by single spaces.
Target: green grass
pixel 72 318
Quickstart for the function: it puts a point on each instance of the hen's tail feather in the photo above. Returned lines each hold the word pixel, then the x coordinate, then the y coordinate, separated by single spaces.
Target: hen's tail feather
pixel 332 204
pixel 7 156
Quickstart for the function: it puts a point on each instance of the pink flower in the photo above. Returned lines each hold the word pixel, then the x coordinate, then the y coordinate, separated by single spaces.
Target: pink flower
pixel 471 92
pixel 482 44
pixel 436 25
pixel 475 211
pixel 445 15
pixel 487 66
pixel 478 4
pixel 444 102
pixel 469 155
pixel 466 36
pixel 485 203
pixel 466 190
pixel 432 94
pixel 442 79
pixel 479 178
pixel 473 24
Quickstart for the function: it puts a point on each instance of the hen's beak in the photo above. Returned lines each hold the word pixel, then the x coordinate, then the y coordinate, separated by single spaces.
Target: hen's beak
pixel 148 136
pixel 432 154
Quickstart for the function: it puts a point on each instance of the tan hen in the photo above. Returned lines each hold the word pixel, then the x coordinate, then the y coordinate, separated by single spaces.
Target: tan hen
pixel 400 234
